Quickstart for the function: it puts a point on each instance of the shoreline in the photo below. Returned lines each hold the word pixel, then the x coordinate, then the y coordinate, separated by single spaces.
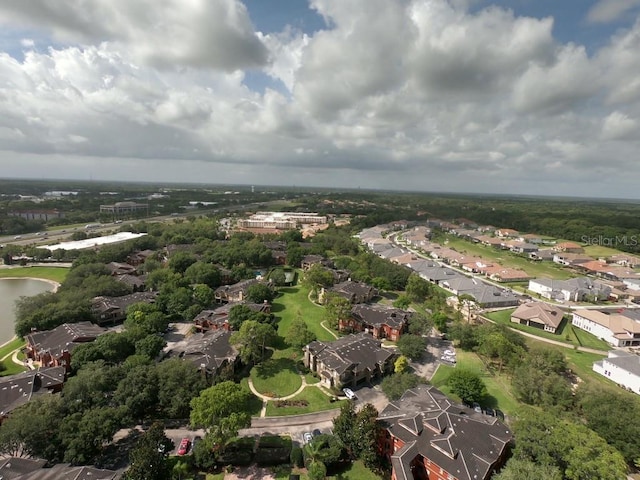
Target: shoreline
pixel 53 283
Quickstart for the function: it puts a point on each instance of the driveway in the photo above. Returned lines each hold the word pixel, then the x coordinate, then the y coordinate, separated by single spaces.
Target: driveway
pixel 426 367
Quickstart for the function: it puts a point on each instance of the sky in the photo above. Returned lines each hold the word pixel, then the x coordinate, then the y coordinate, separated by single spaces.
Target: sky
pixel 504 96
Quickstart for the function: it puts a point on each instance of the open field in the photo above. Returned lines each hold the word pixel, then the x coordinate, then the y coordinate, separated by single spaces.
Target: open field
pixel 498 386
pixel 597 251
pixel 276 377
pixel 567 333
pixel 508 259
pixel 293 302
pixel 57 274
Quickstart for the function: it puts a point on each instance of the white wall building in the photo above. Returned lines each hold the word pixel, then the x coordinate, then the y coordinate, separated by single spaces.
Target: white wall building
pixel 621 367
pixel 612 327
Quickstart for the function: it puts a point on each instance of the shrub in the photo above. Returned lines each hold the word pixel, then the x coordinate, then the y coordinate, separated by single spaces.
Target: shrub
pixel 296 457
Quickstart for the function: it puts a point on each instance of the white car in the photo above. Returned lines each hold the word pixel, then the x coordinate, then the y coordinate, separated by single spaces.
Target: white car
pixel 449 353
pixel 448 358
pixel 349 393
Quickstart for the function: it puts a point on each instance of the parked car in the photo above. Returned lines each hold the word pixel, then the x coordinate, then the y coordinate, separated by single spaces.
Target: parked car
pixel 185 444
pixel 307 437
pixel 349 393
pixel 477 407
pixel 316 432
pixel 449 352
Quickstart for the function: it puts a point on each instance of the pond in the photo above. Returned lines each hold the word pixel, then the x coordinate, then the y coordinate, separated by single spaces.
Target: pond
pixel 11 289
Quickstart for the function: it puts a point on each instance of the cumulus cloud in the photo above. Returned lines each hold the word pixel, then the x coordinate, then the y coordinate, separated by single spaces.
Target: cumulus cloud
pixel 606 11
pixel 164 33
pixel 421 94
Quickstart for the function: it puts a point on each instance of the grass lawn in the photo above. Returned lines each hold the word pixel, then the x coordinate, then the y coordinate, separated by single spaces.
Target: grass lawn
pixel 293 302
pixel 57 274
pixel 11 346
pixel 11 368
pixel 353 471
pixel 508 259
pixel 567 333
pixel 498 386
pixel 316 399
pixel 276 377
pixel 597 251
pixel 255 405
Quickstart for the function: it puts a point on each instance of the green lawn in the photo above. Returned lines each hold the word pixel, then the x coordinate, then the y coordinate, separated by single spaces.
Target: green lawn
pixel 597 251
pixel 276 377
pixel 57 274
pixel 11 346
pixel 293 302
pixel 498 386
pixel 567 333
pixel 317 401
pixel 353 471
pixel 11 368
pixel 508 259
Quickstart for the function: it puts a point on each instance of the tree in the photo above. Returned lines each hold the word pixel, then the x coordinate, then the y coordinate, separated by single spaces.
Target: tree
pixel 178 383
pixel 239 314
pixel 401 364
pixel 359 432
pixel 253 338
pixel 33 430
pixel 149 456
pixel 150 346
pixel 181 261
pixel 517 469
pixel 577 451
pixel 336 308
pixel 403 301
pixel 327 449
pixel 395 385
pixel 601 409
pixel 417 288
pixel 411 346
pixel 203 273
pixel 318 276
pixel 467 385
pixel 465 335
pixel 295 254
pixel 138 392
pixel 203 295
pixel 84 434
pixel 180 469
pixel 221 410
pixel 299 334
pixel 317 471
pixel 419 324
pixel 260 293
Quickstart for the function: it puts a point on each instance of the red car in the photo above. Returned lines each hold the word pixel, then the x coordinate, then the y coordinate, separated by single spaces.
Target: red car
pixel 185 444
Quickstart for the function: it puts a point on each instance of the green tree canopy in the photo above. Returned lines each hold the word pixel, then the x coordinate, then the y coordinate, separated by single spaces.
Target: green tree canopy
pixel 467 385
pixel 411 346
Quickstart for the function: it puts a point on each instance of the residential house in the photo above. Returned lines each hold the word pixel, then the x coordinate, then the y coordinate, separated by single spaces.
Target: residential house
pixel 438 274
pixel 483 294
pixel 355 292
pixel 218 319
pixel 210 351
pixel 578 289
pixel 507 233
pixel 428 436
pixel 568 247
pixel 119 268
pixel 112 310
pixel 418 237
pixel 391 253
pixel 134 282
pixel 530 238
pixel 571 259
pixel 621 367
pixel 503 274
pixel 381 321
pixel 522 247
pixel 405 259
pixel 16 390
pixel 543 254
pixel 52 348
pixel 138 258
pixel 625 260
pixel 490 241
pixel 349 360
pixel 309 261
pixel 236 292
pixel 486 228
pixel 18 468
pixel 620 329
pixel 538 315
